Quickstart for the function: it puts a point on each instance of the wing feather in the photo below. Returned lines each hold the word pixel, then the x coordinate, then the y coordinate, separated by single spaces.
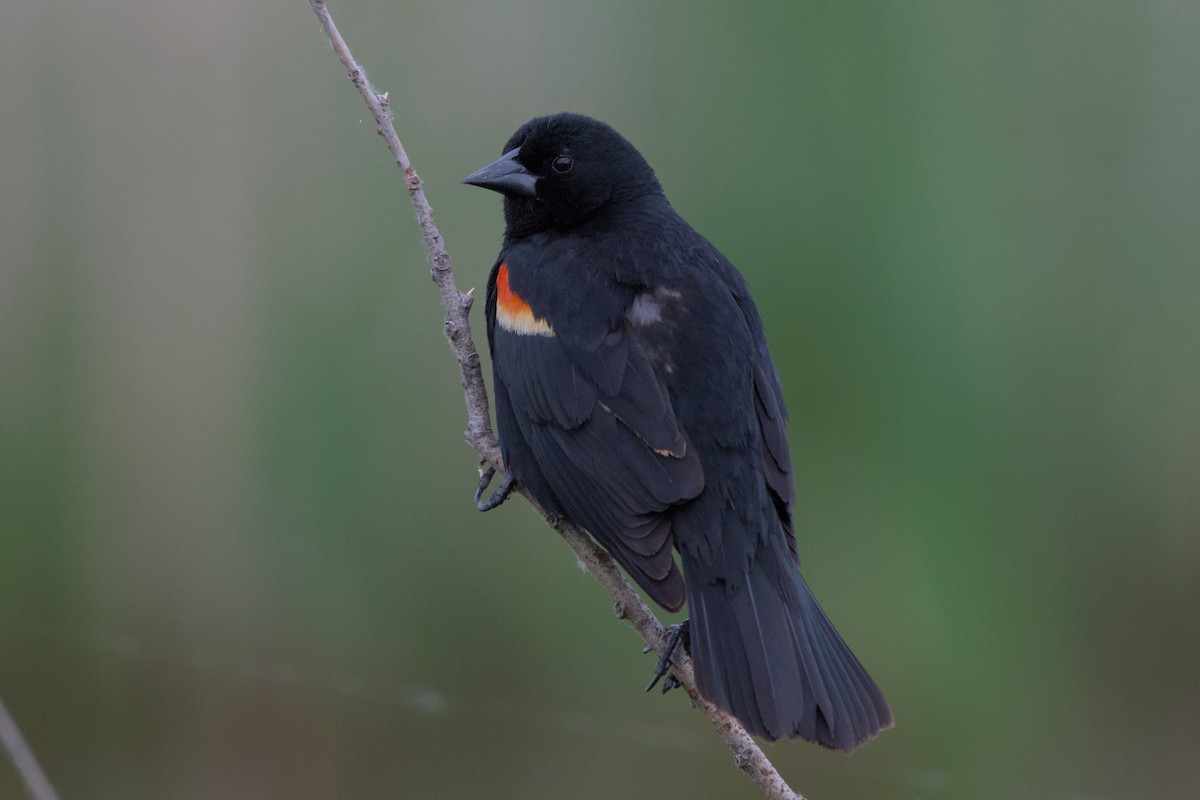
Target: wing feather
pixel 601 428
pixel 776 458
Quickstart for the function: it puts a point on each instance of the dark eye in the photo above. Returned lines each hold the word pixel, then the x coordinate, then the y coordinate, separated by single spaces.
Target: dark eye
pixel 562 164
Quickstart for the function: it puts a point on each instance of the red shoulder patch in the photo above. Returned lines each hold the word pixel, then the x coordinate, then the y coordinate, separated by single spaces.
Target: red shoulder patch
pixel 513 313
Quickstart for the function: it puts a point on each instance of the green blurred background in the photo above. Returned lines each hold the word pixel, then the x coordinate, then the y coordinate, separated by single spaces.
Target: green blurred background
pixel 238 557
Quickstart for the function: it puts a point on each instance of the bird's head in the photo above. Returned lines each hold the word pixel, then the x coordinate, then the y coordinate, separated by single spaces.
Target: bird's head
pixel 561 169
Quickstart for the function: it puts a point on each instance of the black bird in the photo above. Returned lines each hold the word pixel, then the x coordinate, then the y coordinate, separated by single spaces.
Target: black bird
pixel 636 398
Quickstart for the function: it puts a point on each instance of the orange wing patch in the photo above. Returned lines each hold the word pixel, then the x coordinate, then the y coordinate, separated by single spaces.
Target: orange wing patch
pixel 513 313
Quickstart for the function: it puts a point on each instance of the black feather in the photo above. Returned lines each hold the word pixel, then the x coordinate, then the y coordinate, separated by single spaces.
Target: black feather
pixel 651 414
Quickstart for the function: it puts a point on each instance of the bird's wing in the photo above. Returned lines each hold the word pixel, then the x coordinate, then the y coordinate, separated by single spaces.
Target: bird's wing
pixel 772 425
pixel 595 415
pixel 769 405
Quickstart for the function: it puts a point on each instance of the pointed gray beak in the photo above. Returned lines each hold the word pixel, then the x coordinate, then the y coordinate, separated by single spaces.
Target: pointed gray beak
pixel 506 175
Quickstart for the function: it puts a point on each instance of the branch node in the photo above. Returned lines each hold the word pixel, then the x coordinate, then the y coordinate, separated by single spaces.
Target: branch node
pixel 412 180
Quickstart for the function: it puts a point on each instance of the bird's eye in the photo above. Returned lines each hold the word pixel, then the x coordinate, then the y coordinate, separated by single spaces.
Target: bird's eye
pixel 562 164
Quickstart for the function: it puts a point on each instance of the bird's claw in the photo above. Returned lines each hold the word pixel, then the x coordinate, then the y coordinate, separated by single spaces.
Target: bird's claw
pixel 675 636
pixel 497 497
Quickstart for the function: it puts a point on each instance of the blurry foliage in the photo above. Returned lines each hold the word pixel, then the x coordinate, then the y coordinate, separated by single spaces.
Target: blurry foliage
pixel 237 552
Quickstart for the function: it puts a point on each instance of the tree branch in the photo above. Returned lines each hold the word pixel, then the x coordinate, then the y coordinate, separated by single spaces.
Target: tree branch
pixel 36 783
pixel 629 606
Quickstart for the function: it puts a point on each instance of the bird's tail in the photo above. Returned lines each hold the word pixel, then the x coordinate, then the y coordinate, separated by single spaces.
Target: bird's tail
pixel 766 653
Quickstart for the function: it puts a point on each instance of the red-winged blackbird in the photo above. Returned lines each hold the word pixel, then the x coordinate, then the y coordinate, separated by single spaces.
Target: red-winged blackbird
pixel 636 398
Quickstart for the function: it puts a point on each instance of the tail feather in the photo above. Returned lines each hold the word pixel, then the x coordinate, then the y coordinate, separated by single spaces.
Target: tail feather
pixel 727 680
pixel 765 652
pixel 771 662
pixel 843 714
pixel 868 700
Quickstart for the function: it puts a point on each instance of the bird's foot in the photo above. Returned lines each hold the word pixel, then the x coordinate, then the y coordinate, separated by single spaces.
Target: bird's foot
pixel 676 636
pixel 497 497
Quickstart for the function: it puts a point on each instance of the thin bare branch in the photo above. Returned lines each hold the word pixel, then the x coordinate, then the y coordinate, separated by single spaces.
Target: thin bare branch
pixel 629 606
pixel 36 783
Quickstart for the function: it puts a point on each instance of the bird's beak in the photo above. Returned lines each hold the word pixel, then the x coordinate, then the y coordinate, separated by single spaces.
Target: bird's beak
pixel 505 175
